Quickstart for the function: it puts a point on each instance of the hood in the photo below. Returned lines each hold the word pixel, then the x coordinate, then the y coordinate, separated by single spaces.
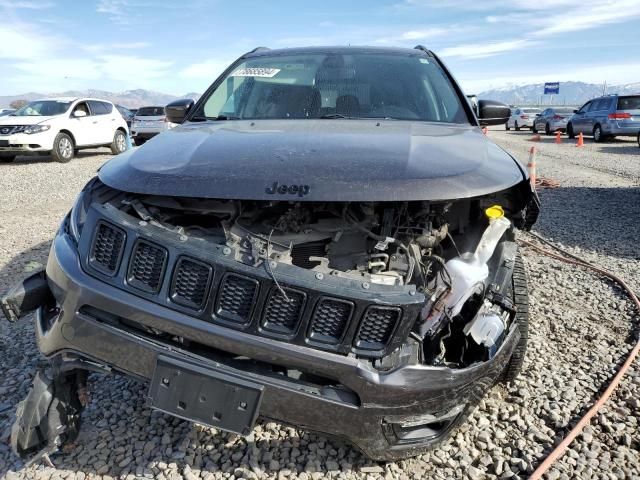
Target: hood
pixel 25 120
pixel 316 160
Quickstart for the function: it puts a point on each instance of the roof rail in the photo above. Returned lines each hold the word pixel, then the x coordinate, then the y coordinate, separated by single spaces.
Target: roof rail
pixel 259 49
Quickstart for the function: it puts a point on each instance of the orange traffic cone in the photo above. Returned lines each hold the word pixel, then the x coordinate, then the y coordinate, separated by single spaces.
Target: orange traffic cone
pixel 535 138
pixel 485 130
pixel 531 166
pixel 558 138
pixel 580 140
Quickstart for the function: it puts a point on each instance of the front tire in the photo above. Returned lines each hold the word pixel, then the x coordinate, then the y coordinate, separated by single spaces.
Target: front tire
pixel 119 143
pixel 63 148
pixel 570 132
pixel 517 127
pixel 520 297
pixel 534 129
pixel 547 129
pixel 507 127
pixel 597 134
pixel 7 158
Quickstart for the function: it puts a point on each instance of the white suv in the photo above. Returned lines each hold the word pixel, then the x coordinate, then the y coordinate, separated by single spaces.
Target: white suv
pixel 62 126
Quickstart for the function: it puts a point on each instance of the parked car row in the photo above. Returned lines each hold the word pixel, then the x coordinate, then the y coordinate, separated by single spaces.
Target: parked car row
pixel 603 118
pixel 62 126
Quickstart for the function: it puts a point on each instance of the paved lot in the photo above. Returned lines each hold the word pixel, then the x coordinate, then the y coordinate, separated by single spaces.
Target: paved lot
pixel 581 329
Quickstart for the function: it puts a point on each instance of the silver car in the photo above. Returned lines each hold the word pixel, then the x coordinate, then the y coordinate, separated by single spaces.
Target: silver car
pixel 608 116
pixel 147 123
pixel 521 117
pixel 552 119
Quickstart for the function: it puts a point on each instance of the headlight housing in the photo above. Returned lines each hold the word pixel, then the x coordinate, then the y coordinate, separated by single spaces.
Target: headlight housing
pixel 31 129
pixel 78 213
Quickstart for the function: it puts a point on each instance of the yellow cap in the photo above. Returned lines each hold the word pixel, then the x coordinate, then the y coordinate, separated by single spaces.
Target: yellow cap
pixel 494 211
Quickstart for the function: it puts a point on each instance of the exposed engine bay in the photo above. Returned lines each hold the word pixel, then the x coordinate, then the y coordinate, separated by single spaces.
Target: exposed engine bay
pixel 439 249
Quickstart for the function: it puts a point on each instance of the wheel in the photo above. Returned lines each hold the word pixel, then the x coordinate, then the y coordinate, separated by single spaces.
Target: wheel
pixel 517 127
pixel 533 128
pixel 506 126
pixel 520 297
pixel 638 139
pixel 597 134
pixel 119 143
pixel 7 158
pixel 547 129
pixel 63 149
pixel 570 132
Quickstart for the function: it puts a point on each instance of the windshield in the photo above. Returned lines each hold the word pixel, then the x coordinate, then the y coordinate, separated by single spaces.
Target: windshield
pixel 531 110
pixel 42 108
pixel 325 85
pixel 150 112
pixel 563 111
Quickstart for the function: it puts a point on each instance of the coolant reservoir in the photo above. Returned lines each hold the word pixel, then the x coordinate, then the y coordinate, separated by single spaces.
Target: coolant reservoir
pixel 469 271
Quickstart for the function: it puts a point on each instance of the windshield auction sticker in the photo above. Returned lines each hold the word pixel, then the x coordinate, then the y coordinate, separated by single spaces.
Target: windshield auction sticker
pixel 256 72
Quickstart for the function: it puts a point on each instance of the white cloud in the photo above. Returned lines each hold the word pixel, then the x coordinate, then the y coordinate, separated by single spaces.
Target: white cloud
pixel 209 70
pixel 27 5
pixel 417 35
pixel 486 49
pixel 591 16
pixel 24 42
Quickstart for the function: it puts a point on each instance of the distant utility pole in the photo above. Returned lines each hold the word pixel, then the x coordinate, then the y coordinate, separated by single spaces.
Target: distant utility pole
pixel 604 88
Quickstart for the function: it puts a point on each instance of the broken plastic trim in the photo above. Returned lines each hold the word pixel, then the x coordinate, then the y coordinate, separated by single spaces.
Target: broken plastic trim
pixel 50 415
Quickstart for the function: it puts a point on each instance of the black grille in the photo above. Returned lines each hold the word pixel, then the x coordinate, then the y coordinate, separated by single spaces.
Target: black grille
pixel 191 283
pixel 301 252
pixel 107 247
pixel 236 297
pixel 146 266
pixel 377 327
pixel 330 320
pixel 280 315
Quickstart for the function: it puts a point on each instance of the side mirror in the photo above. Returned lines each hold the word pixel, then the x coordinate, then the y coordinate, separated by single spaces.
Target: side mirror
pixel 79 113
pixel 575 111
pixel 491 112
pixel 177 110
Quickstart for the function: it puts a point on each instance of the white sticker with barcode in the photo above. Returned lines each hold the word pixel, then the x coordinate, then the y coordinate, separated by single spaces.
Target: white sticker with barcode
pixel 256 72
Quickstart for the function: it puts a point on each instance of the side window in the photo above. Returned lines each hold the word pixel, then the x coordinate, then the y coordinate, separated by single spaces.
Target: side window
pixel 518 112
pixel 97 108
pixel 545 112
pixel 599 105
pixel 108 107
pixel 81 107
pixel 585 108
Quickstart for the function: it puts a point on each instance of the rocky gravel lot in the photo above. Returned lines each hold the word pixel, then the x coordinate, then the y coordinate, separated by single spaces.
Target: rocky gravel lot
pixel 581 329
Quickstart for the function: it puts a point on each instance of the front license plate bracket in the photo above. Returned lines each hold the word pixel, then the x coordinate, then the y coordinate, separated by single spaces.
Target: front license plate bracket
pixel 205 395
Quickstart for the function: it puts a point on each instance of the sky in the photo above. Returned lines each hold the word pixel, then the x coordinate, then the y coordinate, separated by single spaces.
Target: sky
pixel 181 46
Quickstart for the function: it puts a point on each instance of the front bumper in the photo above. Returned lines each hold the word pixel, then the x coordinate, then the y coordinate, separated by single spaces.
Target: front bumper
pixel 387 414
pixel 22 144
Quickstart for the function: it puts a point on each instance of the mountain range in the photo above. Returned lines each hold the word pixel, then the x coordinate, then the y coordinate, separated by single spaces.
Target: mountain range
pixel 129 98
pixel 571 93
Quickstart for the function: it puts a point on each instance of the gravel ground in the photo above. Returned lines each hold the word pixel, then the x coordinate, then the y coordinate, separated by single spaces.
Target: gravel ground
pixel 581 330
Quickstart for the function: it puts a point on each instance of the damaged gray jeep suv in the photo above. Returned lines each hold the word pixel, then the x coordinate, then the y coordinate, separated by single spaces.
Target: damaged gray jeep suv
pixel 327 241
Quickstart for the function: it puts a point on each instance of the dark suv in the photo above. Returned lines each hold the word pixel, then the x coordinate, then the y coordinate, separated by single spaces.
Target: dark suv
pixel 327 241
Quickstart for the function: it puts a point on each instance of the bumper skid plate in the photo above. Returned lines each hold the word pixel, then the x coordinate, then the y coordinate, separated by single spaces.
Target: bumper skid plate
pixel 204 396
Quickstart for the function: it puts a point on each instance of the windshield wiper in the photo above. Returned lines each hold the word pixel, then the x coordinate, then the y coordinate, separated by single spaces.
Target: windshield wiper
pixel 333 115
pixel 223 117
pixel 198 118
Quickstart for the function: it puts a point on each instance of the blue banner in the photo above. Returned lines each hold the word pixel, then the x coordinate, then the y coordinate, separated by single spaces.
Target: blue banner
pixel 552 88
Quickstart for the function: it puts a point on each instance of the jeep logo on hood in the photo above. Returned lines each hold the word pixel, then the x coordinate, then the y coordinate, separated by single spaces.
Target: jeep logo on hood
pixel 282 189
